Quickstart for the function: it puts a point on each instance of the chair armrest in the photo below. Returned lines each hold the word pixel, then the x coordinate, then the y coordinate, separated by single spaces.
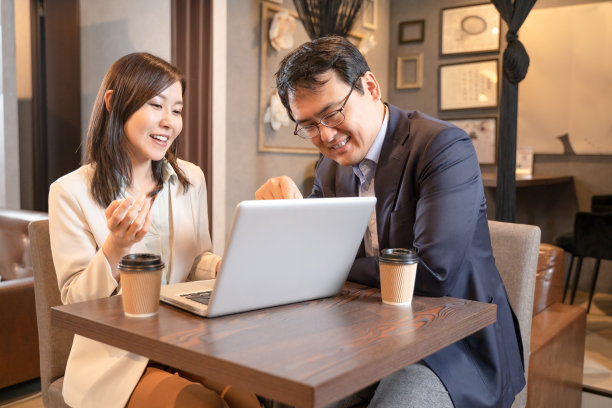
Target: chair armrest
pixel 16 284
pixel 557 357
pixel 550 323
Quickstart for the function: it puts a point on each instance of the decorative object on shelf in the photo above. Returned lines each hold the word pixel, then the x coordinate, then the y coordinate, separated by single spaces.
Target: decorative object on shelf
pixel 281 31
pixel 409 71
pixel 276 114
pixel 568 150
pixel 367 43
pixel 524 160
pixel 324 17
pixel 469 29
pixel 411 31
pixel 483 132
pixel 470 85
pixel 370 14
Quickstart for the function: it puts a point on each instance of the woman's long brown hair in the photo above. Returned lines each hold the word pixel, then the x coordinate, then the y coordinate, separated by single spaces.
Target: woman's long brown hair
pixel 134 79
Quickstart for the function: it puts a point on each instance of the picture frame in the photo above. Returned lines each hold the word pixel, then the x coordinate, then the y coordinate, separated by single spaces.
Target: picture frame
pixel 409 71
pixel 469 29
pixel 469 85
pixel 411 31
pixel 282 140
pixel 369 14
pixel 483 133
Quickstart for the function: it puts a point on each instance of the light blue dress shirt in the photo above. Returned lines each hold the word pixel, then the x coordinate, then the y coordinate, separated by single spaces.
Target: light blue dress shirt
pixel 365 171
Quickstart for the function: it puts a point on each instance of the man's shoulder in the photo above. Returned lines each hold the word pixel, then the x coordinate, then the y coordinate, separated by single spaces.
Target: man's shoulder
pixel 417 120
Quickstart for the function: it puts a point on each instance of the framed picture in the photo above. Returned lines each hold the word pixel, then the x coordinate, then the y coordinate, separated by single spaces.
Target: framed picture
pixel 470 85
pixel 483 132
pixel 411 31
pixel 278 137
pixel 370 14
pixel 469 29
pixel 409 71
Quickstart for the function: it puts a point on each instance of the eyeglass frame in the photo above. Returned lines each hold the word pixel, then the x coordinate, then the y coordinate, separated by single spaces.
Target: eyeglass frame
pixel 320 122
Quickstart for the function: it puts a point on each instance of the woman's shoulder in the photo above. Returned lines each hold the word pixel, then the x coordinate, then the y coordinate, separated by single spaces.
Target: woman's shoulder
pixel 192 171
pixel 76 180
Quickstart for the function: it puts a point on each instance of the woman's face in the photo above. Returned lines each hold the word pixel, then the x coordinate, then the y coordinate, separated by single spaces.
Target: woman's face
pixel 151 130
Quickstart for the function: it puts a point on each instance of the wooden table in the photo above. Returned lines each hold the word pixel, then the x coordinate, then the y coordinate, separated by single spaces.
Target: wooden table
pixel 307 354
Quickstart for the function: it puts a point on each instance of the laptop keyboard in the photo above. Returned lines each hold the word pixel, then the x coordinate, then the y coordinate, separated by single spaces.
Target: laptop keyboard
pixel 200 297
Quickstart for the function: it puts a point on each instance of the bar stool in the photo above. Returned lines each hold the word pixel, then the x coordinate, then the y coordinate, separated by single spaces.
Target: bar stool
pixel 592 239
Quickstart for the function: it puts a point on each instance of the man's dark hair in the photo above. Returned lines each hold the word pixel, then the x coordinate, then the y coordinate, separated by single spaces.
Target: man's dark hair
pixel 303 66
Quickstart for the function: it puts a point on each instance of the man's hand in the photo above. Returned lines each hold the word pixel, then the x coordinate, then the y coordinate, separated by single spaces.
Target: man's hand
pixel 278 188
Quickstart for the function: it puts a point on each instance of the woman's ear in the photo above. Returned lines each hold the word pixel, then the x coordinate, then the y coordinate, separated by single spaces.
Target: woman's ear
pixel 107 98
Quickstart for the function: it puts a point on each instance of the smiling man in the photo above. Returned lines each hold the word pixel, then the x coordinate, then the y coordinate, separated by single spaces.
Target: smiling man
pixel 425 175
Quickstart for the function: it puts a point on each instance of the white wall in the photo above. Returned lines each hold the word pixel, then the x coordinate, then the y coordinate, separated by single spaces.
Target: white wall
pixel 113 28
pixel 9 139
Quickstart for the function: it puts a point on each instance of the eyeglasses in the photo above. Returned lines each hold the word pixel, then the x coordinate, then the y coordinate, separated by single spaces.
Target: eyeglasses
pixel 331 120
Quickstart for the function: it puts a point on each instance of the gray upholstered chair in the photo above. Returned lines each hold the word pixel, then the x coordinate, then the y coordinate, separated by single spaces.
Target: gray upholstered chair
pixel 54 343
pixel 516 248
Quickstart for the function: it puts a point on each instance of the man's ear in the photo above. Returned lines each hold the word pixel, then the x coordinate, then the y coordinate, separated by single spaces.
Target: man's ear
pixel 371 85
pixel 107 99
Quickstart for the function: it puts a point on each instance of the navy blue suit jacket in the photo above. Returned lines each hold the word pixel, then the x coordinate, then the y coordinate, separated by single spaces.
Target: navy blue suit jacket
pixel 430 197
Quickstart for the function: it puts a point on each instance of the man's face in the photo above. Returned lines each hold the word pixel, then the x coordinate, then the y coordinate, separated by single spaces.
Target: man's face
pixel 349 142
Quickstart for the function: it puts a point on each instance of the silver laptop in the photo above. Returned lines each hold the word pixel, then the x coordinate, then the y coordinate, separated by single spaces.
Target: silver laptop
pixel 280 252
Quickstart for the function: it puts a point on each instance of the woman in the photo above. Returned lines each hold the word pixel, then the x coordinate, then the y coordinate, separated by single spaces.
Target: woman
pixel 132 195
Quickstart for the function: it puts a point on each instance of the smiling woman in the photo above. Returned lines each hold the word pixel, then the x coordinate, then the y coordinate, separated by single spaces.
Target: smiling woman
pixel 133 195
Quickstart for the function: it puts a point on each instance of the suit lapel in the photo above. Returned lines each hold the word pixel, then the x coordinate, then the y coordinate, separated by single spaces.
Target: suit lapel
pixel 390 168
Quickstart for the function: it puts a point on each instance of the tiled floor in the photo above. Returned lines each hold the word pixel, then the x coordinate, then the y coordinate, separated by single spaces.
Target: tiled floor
pixel 597 362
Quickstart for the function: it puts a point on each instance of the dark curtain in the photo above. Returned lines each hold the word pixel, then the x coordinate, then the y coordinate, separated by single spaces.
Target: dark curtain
pixel 191 53
pixel 514 68
pixel 327 17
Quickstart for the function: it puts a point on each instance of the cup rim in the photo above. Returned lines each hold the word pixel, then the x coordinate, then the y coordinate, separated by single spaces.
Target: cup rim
pixel 140 262
pixel 398 255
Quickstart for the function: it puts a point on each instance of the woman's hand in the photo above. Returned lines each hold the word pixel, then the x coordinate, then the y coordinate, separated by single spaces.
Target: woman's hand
pixel 128 221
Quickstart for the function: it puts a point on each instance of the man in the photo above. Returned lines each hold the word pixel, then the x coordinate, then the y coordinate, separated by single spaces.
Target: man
pixel 426 177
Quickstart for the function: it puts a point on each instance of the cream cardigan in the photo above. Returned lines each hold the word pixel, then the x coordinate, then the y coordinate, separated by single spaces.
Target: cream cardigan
pixel 97 374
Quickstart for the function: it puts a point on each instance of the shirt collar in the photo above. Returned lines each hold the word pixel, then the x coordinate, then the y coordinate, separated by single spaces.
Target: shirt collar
pixel 169 173
pixel 374 152
pixel 364 170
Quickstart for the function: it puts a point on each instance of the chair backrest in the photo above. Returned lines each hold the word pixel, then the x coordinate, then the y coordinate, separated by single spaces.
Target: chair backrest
pixel 54 343
pixel 601 203
pixel 593 235
pixel 516 248
pixel 15 256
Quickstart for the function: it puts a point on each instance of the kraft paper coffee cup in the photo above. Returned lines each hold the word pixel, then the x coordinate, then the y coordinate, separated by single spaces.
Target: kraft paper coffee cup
pixel 397 274
pixel 140 284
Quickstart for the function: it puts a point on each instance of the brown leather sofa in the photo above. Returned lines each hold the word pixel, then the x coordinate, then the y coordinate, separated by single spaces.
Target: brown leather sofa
pixel 557 338
pixel 19 338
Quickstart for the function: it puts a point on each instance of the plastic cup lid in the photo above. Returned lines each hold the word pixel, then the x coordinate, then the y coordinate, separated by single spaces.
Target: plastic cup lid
pixel 398 255
pixel 140 262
